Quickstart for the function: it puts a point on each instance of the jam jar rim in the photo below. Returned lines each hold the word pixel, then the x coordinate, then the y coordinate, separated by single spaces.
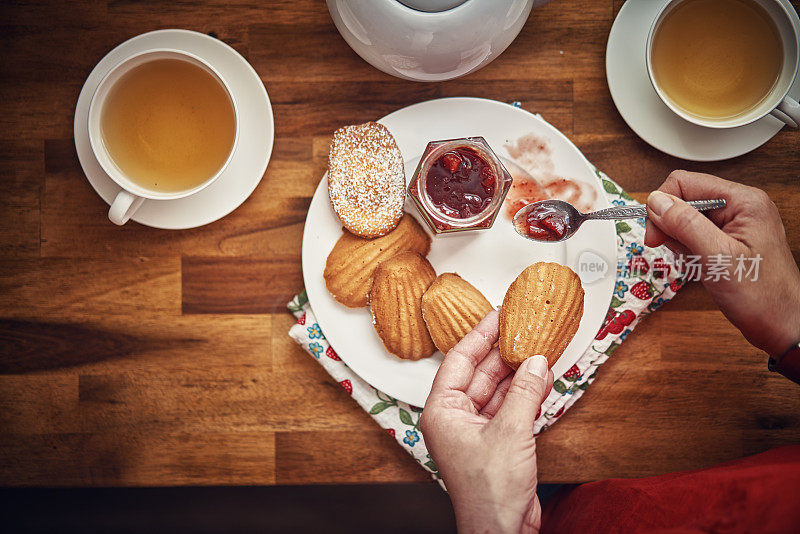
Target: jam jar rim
pixel 484 151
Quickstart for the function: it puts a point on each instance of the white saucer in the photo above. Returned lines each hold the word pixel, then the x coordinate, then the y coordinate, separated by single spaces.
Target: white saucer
pixel 649 117
pixel 252 154
pixel 489 259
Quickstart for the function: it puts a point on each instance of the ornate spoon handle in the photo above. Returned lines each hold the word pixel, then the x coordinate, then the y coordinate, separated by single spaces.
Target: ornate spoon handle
pixel 640 210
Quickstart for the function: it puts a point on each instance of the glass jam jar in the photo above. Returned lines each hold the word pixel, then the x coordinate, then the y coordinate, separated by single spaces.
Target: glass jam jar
pixel 459 185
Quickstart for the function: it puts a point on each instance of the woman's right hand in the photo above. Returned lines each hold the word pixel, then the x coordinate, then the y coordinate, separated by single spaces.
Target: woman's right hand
pixel 767 309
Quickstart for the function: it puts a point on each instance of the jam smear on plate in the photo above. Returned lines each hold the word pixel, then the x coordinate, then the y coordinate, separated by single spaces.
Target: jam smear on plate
pixel 546 224
pixel 460 183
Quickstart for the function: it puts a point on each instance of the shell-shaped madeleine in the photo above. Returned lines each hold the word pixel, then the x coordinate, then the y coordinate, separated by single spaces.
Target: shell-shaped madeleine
pixel 396 304
pixel 541 313
pixel 353 260
pixel 451 308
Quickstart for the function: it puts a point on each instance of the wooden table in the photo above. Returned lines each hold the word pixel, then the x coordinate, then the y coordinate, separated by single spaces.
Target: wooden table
pixel 134 356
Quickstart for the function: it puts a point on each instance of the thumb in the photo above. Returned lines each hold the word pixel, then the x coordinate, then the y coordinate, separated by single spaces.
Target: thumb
pixel 684 224
pixel 528 389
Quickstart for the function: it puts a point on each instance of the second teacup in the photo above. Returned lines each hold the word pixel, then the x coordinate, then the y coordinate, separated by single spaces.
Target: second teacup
pixel 725 63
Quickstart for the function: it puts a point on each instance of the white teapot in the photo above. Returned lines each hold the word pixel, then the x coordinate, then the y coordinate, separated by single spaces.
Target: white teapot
pixel 429 40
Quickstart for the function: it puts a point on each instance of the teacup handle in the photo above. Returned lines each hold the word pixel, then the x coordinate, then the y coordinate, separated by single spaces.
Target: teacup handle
pixel 123 207
pixel 788 111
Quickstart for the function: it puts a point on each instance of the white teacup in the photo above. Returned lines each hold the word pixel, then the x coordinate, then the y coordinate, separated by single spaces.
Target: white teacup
pixel 133 195
pixel 777 103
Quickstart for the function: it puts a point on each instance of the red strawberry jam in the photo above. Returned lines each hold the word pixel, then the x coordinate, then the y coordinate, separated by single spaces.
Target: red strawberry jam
pixel 460 183
pixel 546 223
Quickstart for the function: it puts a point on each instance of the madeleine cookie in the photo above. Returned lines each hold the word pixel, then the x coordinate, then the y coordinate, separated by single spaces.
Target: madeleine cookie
pixel 353 260
pixel 396 304
pixel 541 313
pixel 366 181
pixel 451 308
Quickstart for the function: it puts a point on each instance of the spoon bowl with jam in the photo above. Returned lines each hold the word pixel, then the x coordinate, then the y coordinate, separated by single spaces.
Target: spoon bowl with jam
pixel 555 220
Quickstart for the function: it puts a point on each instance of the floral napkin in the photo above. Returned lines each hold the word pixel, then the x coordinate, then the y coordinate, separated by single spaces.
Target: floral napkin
pixel 646 278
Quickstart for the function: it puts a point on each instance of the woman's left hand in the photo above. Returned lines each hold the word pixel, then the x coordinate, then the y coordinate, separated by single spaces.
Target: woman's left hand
pixel 478 427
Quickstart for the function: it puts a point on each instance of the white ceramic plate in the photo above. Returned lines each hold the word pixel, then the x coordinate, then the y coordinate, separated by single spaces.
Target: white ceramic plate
pixel 649 117
pixel 490 260
pixel 253 150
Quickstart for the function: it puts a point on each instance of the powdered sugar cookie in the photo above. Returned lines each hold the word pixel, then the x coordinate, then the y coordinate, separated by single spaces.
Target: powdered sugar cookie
pixel 366 180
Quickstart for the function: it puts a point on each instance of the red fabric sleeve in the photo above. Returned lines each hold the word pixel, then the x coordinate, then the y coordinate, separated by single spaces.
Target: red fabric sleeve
pixel 760 493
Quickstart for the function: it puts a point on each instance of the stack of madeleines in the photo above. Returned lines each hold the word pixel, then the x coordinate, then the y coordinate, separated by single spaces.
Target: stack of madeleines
pixel 380 261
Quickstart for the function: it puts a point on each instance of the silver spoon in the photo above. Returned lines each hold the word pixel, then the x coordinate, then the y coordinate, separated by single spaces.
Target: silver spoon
pixel 572 219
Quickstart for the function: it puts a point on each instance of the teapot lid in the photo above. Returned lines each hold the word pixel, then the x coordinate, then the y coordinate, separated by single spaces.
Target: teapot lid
pixel 432 6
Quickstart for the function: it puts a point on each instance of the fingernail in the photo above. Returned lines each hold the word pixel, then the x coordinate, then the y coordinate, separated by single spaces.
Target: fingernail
pixel 537 365
pixel 659 202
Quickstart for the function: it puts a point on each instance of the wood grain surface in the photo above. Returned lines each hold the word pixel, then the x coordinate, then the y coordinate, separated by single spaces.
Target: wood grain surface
pixel 134 356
